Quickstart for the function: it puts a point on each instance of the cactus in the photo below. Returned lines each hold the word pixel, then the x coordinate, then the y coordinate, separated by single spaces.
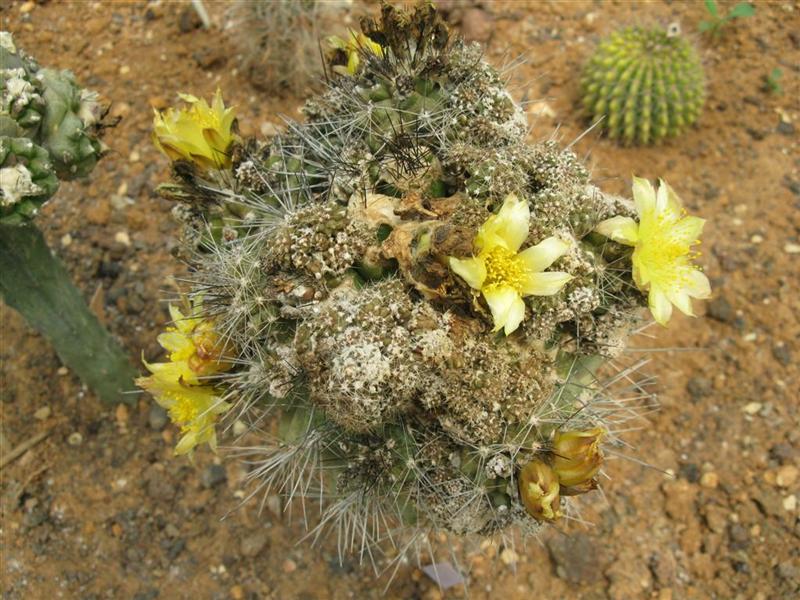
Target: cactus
pixel 419 297
pixel 48 132
pixel 646 84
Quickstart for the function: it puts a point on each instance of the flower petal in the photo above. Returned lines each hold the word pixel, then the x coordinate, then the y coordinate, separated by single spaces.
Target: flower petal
pixel 471 270
pixel 620 229
pixel 544 284
pixel 644 196
pixel 697 285
pixel 688 229
pixel 504 302
pixel 660 306
pixel 672 201
pixel 682 301
pixel 176 342
pixel 542 255
pixel 508 228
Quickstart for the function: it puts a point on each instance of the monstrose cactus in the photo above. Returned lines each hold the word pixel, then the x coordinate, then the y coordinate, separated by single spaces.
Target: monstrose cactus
pixel 410 306
pixel 49 130
pixel 646 84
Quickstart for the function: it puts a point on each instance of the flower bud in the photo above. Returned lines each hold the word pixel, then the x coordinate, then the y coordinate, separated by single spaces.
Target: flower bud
pixel 539 490
pixel 577 456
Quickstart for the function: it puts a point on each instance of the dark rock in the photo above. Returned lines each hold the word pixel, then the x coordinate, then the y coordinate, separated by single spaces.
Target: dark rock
pixel 720 309
pixel 109 269
pixel 213 475
pixel 576 558
pixel 690 472
pixel 782 354
pixel 148 595
pixel 189 20
pixel 794 187
pixel 157 417
pixel 253 544
pixel 740 566
pixel 175 548
pixel 783 453
pixel 756 134
pixel 739 537
pixel 698 388
pixel 785 128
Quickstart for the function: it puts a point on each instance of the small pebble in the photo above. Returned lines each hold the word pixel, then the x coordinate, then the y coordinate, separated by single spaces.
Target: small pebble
pixel 289 566
pixel 509 557
pixel 66 240
pixel 27 7
pixel 75 439
pixel 62 371
pixel 213 475
pixel 157 417
pixel 709 480
pixel 124 70
pixel 786 476
pixel 123 238
pixel 792 248
pixel 237 592
pixel 134 156
pixel 790 503
pixel 42 413
pixel 239 427
pixel 757 239
pixel 752 408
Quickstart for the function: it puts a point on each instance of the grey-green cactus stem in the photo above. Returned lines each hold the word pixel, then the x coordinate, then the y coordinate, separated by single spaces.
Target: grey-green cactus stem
pixel 35 282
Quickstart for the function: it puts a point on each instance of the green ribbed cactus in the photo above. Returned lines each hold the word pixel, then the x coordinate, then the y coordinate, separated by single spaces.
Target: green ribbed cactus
pixel 48 131
pixel 646 84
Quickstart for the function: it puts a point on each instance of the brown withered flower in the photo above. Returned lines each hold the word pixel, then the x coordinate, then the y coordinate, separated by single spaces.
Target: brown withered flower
pixel 539 491
pixel 577 458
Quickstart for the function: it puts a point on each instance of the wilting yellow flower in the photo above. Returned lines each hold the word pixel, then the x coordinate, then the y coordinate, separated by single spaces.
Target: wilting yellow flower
pixel 195 352
pixel 662 256
pixel 577 456
pixel 503 274
pixel 357 42
pixel 200 133
pixel 539 491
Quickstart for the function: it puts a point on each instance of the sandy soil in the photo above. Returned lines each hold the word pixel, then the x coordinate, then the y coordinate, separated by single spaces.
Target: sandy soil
pixel 101 509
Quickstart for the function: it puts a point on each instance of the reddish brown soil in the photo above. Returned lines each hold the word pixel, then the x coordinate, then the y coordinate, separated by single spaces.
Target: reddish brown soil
pixel 116 516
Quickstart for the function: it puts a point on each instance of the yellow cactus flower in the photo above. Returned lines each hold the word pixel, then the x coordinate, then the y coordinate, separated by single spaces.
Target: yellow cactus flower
pixel 577 455
pixel 201 133
pixel 662 256
pixel 195 352
pixel 539 491
pixel 357 42
pixel 502 273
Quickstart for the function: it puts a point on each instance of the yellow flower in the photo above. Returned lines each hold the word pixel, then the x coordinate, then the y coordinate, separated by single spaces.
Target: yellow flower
pixel 358 42
pixel 662 256
pixel 503 274
pixel 195 352
pixel 539 491
pixel 200 133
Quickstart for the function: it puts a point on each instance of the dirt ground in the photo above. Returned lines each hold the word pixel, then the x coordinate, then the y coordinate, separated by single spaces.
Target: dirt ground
pixel 101 508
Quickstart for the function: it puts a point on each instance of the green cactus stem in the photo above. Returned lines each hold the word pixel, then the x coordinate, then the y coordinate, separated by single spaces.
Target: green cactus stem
pixel 645 84
pixel 35 282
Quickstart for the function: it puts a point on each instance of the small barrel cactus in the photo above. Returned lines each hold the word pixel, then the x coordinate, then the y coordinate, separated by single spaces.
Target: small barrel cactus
pixel 646 84
pixel 49 129
pixel 418 300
